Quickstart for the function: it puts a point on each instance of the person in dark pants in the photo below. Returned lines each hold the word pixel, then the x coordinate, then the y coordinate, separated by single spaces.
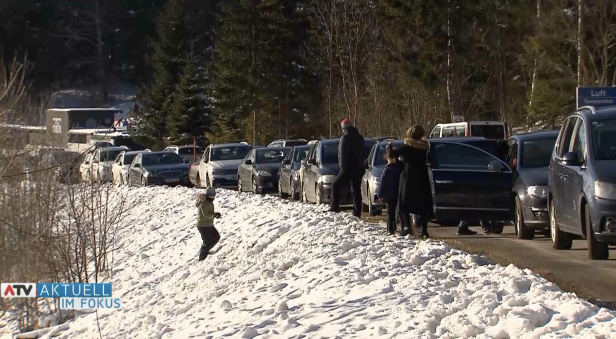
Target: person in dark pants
pixel 205 222
pixel 415 191
pixel 351 161
pixel 388 188
pixel 488 227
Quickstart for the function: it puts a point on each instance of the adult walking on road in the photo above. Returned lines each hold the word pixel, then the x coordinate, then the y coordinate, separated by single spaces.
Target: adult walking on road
pixel 351 161
pixel 415 193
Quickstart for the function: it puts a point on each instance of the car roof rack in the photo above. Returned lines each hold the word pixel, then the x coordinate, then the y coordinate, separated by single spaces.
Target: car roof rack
pixel 591 108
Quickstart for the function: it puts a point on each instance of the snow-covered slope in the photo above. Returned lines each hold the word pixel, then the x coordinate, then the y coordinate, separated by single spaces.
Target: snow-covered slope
pixel 286 269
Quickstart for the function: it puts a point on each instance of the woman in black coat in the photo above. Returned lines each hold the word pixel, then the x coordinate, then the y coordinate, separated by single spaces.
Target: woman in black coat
pixel 415 193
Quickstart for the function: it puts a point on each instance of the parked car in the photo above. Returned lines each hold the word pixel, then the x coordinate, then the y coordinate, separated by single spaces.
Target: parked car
pixel 320 168
pixel 485 129
pixel 529 158
pixel 370 181
pixel 469 182
pixel 288 143
pixel 582 182
pixel 119 169
pixel 186 152
pixel 101 161
pixel 288 176
pixel 158 168
pixel 259 170
pixel 219 164
pixel 193 173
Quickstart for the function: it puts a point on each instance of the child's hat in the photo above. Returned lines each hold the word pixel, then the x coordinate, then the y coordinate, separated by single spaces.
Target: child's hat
pixel 211 192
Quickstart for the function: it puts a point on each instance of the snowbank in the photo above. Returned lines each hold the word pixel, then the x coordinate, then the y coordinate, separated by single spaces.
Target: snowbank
pixel 289 269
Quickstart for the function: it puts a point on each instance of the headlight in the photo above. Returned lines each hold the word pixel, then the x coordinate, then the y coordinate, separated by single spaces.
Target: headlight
pixel 264 173
pixel 537 191
pixel 217 171
pixel 604 190
pixel 326 179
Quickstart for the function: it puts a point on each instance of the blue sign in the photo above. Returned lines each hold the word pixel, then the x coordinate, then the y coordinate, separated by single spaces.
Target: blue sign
pixel 596 96
pixel 66 290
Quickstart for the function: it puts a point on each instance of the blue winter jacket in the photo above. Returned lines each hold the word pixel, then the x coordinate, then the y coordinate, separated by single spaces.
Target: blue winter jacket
pixel 390 181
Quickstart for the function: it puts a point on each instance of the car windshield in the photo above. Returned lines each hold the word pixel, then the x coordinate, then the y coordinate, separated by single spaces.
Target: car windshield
pixel 604 139
pixel 488 131
pixel 229 153
pixel 188 151
pixel 271 156
pixel 380 152
pixel 329 153
pixel 537 153
pixel 301 153
pixel 128 158
pixel 154 159
pixel 107 155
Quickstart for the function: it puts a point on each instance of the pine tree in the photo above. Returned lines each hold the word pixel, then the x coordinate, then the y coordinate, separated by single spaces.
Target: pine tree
pixel 166 62
pixel 191 116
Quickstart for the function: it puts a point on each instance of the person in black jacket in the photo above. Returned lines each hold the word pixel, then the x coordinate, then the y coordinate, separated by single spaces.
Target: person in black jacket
pixel 388 188
pixel 415 193
pixel 351 161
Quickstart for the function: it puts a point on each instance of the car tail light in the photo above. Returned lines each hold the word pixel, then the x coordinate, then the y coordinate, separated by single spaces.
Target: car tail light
pixel 468 132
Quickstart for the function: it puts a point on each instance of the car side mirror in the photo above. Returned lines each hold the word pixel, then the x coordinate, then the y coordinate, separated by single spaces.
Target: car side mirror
pixel 248 162
pixel 312 162
pixel 571 159
pixel 304 162
pixel 86 162
pixel 286 162
pixel 495 166
pixel 137 165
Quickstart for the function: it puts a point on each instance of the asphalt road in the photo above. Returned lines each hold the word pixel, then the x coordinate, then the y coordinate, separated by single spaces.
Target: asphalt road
pixel 594 280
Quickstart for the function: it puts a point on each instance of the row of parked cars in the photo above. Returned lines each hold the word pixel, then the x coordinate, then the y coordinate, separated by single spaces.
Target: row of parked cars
pixel 563 181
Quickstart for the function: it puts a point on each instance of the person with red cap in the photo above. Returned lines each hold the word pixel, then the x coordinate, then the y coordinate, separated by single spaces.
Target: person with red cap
pixel 351 161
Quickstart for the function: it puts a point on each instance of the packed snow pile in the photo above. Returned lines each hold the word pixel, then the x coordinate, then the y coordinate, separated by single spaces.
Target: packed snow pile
pixel 287 269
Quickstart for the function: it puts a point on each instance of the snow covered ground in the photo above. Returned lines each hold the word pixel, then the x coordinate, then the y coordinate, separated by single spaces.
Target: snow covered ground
pixel 289 270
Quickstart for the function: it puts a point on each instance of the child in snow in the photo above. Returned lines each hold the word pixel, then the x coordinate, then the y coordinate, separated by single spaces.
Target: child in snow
pixel 388 189
pixel 205 221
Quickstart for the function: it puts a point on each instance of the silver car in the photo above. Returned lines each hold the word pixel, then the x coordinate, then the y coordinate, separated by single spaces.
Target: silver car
pixel 374 167
pixel 219 164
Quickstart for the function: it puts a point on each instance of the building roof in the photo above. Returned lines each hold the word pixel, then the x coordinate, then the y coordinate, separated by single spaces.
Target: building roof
pixel 79 109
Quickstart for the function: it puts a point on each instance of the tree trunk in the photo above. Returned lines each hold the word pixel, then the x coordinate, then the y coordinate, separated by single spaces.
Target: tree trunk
pixel 533 84
pixel 580 43
pixel 100 62
pixel 454 87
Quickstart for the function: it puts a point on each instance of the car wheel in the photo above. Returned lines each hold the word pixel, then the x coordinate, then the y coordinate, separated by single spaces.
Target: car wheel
pixel 198 181
pixel 371 206
pixel 281 193
pixel 521 230
pixel 144 181
pixel 239 184
pixel 294 196
pixel 318 194
pixel 255 187
pixel 597 250
pixel 560 239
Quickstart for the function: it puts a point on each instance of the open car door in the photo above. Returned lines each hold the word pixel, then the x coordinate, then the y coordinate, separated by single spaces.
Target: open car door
pixel 469 183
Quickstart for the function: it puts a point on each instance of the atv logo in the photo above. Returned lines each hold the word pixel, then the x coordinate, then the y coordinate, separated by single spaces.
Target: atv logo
pixel 18 290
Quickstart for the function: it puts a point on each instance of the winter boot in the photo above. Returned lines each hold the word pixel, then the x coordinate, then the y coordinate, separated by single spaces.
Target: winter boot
pixel 205 250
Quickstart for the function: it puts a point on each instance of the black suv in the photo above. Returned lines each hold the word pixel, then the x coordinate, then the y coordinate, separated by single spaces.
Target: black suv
pixel 582 181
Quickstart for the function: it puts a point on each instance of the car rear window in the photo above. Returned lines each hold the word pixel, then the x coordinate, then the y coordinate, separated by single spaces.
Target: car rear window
pixel 128 158
pixel 107 155
pixel 229 153
pixel 329 153
pixel 380 152
pixel 368 144
pixel 488 131
pixel 294 143
pixel 537 153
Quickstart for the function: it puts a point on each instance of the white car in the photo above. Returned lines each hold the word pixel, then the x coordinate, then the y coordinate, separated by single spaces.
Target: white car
pixel 119 169
pixel 187 152
pixel 219 165
pixel 102 160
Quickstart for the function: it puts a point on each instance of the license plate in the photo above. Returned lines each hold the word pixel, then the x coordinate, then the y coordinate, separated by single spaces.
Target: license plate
pixel 173 180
